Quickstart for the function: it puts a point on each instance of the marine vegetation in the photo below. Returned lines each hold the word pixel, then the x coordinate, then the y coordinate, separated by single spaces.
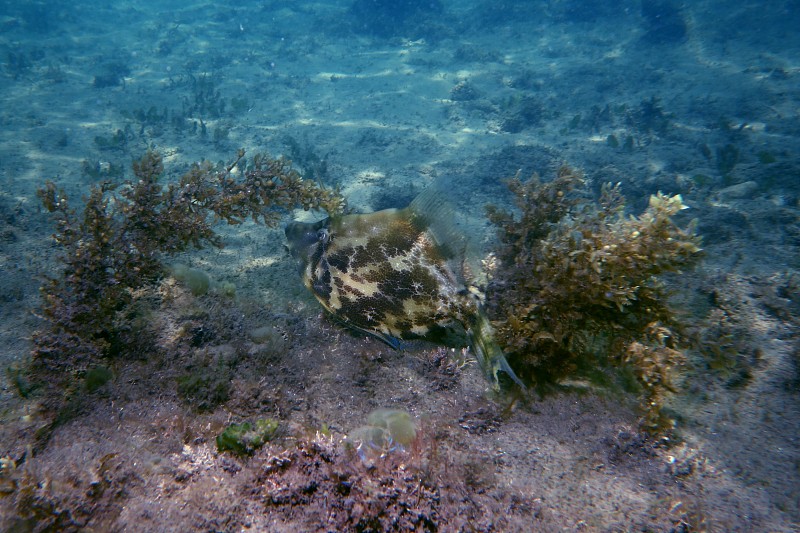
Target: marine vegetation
pixel 393 274
pixel 318 482
pixel 117 244
pixel 246 438
pixel 577 289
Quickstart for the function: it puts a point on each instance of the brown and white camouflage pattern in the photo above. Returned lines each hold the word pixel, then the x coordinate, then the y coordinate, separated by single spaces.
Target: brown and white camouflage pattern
pixel 382 273
pixel 388 274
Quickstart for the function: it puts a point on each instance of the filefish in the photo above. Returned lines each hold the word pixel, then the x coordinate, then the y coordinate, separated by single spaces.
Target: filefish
pixel 392 274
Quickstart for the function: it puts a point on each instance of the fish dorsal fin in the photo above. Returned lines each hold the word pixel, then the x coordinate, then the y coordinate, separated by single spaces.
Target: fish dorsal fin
pixel 432 211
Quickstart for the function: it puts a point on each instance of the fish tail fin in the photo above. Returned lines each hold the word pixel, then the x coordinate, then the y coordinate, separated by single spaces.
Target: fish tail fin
pixel 489 354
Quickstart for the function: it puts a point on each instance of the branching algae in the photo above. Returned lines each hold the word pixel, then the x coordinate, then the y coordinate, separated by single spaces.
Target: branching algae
pixel 117 243
pixel 577 286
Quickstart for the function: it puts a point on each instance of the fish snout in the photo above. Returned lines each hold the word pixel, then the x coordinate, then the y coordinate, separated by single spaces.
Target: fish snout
pixel 301 236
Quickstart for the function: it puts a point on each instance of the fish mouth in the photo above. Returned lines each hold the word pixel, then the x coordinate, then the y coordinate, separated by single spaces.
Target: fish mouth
pixel 301 236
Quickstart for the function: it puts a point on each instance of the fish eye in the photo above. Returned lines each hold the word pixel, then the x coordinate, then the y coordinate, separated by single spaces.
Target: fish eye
pixel 323 235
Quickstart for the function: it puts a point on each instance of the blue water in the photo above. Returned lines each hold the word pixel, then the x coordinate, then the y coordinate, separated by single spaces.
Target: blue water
pixel 383 99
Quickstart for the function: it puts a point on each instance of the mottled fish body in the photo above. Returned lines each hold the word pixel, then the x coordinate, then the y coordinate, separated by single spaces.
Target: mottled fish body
pixel 389 274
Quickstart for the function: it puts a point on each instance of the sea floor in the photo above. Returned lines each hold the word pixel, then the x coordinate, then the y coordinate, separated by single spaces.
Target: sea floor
pixel 470 97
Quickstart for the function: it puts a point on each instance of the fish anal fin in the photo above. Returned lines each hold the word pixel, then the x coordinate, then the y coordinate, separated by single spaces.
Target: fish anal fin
pixel 392 342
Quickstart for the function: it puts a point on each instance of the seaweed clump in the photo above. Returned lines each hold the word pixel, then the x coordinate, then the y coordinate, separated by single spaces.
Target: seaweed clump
pixel 577 288
pixel 244 439
pixel 116 246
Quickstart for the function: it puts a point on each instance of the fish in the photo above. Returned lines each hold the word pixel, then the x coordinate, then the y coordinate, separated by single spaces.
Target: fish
pixel 392 274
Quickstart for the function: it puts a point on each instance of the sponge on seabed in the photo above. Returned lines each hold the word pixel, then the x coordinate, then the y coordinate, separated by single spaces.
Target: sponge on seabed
pixel 398 424
pixel 386 430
